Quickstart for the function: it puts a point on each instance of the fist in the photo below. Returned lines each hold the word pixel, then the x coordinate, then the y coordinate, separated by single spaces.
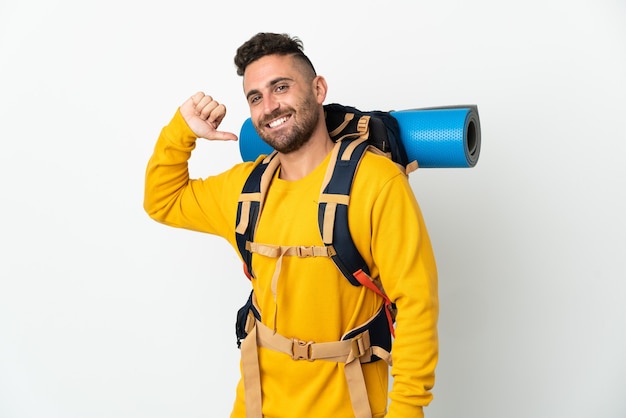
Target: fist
pixel 204 115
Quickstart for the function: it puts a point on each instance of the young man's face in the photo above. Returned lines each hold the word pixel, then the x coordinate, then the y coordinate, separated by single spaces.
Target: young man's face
pixel 284 105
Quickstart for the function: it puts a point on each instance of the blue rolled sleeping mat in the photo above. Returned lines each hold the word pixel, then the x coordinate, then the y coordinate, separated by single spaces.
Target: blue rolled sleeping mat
pixel 437 137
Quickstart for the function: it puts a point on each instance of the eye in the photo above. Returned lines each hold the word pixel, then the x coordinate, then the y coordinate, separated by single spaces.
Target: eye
pixel 281 88
pixel 254 99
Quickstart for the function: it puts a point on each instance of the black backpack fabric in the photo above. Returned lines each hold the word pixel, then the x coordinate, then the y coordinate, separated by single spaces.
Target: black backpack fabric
pixel 383 130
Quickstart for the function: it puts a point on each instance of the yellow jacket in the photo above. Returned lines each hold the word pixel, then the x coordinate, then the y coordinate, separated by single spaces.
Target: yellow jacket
pixel 312 300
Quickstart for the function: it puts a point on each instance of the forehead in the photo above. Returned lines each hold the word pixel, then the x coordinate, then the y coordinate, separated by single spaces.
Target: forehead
pixel 261 72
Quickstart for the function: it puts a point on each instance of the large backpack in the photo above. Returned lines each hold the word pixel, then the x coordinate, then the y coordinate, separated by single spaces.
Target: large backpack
pixel 354 132
pixel 456 133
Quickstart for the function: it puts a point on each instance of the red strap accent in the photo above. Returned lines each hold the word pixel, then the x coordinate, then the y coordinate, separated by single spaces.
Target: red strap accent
pixel 246 272
pixel 366 281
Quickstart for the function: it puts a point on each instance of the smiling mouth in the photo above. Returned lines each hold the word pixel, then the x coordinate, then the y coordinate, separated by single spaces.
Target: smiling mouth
pixel 278 122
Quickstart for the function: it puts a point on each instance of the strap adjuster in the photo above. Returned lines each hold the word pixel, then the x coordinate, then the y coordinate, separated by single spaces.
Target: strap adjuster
pixel 301 350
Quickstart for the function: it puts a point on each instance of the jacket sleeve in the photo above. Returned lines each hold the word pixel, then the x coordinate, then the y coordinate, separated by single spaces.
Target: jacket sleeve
pixel 404 256
pixel 172 198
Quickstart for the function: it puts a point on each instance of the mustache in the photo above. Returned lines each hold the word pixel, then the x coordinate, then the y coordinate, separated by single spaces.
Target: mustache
pixel 274 115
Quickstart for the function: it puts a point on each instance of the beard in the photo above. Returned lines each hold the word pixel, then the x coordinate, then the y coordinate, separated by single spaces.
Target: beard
pixel 301 131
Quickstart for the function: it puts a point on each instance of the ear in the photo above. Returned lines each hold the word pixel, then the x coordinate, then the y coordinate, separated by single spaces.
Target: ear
pixel 320 88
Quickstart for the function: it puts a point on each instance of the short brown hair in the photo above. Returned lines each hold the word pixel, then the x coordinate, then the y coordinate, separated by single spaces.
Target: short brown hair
pixel 263 44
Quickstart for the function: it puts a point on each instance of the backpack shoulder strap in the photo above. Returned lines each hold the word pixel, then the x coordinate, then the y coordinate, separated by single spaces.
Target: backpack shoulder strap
pixel 333 218
pixel 250 206
pixel 333 207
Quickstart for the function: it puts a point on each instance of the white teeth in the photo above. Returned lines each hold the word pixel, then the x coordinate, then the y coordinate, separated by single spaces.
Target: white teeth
pixel 277 122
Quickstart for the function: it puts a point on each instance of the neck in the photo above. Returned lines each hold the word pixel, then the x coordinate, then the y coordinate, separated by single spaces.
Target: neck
pixel 300 163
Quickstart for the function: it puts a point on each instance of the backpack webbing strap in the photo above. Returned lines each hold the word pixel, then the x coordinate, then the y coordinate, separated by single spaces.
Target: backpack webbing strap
pixel 252 374
pixel 352 352
pixel 250 205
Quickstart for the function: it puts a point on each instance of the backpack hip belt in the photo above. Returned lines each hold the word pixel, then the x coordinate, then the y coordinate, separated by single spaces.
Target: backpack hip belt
pixel 356 347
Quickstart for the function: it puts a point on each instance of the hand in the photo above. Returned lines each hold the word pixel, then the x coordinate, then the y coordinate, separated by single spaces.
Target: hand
pixel 204 115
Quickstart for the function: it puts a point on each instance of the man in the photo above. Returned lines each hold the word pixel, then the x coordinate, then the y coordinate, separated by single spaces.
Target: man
pixel 307 299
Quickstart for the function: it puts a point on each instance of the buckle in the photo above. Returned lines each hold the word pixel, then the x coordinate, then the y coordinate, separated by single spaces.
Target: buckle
pixel 358 346
pixel 304 251
pixel 301 350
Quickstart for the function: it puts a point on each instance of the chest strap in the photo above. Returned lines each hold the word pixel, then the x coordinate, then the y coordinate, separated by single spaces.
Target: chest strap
pixel 279 251
pixel 275 251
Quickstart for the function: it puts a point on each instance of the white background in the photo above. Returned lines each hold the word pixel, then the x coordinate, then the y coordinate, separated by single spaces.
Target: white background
pixel 106 313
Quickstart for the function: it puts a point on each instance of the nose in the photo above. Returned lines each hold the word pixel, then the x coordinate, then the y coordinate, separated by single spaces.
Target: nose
pixel 270 104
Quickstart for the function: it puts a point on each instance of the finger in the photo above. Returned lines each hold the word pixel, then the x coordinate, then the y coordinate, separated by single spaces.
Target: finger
pixel 203 104
pixel 206 107
pixel 195 99
pixel 224 136
pixel 217 115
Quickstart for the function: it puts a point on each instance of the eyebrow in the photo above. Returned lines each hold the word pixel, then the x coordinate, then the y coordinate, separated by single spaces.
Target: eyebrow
pixel 270 84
